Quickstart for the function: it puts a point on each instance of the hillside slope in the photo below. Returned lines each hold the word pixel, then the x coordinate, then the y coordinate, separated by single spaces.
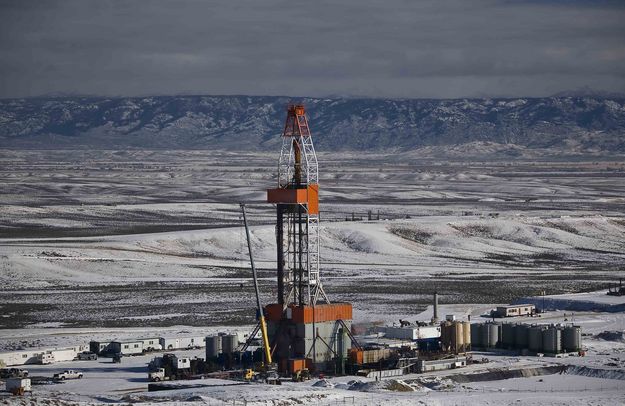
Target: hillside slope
pixel 591 124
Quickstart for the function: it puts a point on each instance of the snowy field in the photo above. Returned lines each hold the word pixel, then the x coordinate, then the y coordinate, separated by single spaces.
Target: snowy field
pixel 598 378
pixel 115 244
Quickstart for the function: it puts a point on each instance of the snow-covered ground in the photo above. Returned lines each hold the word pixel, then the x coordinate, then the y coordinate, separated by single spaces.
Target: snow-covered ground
pixel 594 301
pixel 163 277
pixel 597 378
pixel 110 244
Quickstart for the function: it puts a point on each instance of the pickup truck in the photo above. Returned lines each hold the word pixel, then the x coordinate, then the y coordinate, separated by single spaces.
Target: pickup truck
pixel 87 355
pixel 13 373
pixel 69 374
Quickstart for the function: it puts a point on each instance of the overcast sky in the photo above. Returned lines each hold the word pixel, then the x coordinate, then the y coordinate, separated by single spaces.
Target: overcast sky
pixel 440 49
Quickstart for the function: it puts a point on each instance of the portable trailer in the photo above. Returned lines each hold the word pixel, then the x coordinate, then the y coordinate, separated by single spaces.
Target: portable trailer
pixel 192 342
pixel 58 355
pixel 127 347
pixel 169 343
pixel 151 344
pixel 100 347
pixel 515 310
pixel 40 356
pixel 12 358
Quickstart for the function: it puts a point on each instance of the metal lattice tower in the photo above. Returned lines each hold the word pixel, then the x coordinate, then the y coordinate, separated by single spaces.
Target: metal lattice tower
pixel 297 199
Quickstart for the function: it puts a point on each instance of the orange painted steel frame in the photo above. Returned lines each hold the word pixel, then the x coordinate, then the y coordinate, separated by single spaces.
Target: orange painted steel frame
pixel 304 314
pixel 308 196
pixel 356 356
pixel 296 364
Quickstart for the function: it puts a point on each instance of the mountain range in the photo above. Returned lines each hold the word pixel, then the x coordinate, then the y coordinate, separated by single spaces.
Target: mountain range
pixel 567 123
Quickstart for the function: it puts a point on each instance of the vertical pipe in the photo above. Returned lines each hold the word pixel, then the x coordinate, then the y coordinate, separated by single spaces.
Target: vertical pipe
pixel 294 269
pixel 298 163
pixel 300 265
pixel 280 246
pixel 435 316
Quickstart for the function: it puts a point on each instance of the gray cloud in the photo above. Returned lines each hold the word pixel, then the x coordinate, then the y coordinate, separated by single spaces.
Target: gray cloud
pixel 356 47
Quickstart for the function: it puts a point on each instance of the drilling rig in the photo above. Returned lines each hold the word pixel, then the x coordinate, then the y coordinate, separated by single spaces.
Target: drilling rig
pixel 305 329
pixel 297 202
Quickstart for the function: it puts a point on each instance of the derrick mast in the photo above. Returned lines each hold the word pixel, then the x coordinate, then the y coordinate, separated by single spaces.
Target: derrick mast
pixel 303 326
pixel 297 205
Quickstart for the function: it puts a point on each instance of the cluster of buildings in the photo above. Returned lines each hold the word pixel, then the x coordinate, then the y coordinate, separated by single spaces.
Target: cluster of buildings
pixel 101 348
pixel 425 347
pixel 149 344
pixel 41 355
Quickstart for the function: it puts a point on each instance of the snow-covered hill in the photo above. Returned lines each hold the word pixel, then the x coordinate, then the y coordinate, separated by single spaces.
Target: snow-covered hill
pixel 437 244
pixel 586 124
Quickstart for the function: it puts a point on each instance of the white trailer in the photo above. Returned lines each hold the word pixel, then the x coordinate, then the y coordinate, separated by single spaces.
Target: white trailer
pixel 81 348
pixel 169 343
pixel 151 344
pixel 62 354
pixel 39 356
pixel 440 364
pixel 412 332
pixel 182 362
pixel 127 347
pixel 46 358
pixel 12 358
pixel 515 310
pixel 174 343
pixel 192 342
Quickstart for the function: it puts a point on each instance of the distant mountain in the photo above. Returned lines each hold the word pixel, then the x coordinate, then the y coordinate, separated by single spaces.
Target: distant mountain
pixel 591 124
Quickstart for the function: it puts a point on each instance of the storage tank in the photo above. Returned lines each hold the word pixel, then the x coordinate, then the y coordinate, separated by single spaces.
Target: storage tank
pixel 490 335
pixel 213 346
pixel 572 338
pixel 452 336
pixel 535 338
pixel 458 337
pixel 495 332
pixel 507 338
pixel 229 343
pixel 466 331
pixel 476 335
pixel 552 340
pixel 521 336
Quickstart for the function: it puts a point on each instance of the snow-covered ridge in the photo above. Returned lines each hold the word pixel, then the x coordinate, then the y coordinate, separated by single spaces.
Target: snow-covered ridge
pixel 491 242
pixel 573 124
